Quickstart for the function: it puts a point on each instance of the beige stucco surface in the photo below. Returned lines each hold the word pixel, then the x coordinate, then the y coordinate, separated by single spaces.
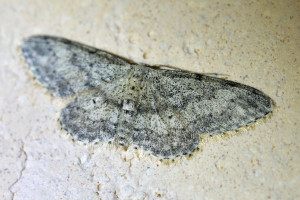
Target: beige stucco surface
pixel 253 42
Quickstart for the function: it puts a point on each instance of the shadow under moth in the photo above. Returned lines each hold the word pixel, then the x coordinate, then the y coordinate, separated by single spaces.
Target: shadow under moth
pixel 161 111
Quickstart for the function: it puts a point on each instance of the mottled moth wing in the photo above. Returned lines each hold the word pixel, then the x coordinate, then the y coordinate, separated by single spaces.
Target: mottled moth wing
pixel 211 104
pixel 91 117
pixel 97 114
pixel 67 68
pixel 184 105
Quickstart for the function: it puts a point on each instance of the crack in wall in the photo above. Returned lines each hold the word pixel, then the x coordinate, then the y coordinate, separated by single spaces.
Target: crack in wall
pixel 22 149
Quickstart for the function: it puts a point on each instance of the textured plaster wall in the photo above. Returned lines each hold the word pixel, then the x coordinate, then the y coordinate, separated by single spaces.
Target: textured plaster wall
pixel 253 42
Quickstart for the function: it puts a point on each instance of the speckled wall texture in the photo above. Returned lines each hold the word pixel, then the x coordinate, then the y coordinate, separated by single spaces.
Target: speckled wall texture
pixel 256 43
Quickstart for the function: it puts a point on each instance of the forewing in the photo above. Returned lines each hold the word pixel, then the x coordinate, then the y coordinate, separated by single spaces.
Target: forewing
pixel 67 68
pixel 211 105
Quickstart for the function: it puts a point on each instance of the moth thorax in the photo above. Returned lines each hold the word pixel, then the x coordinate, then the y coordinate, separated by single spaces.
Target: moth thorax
pixel 124 129
pixel 131 96
pixel 129 108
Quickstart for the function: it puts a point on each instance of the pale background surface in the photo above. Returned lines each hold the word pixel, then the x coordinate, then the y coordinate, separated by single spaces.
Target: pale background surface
pixel 255 43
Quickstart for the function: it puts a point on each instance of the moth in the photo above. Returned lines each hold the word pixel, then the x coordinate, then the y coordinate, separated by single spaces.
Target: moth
pixel 161 111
